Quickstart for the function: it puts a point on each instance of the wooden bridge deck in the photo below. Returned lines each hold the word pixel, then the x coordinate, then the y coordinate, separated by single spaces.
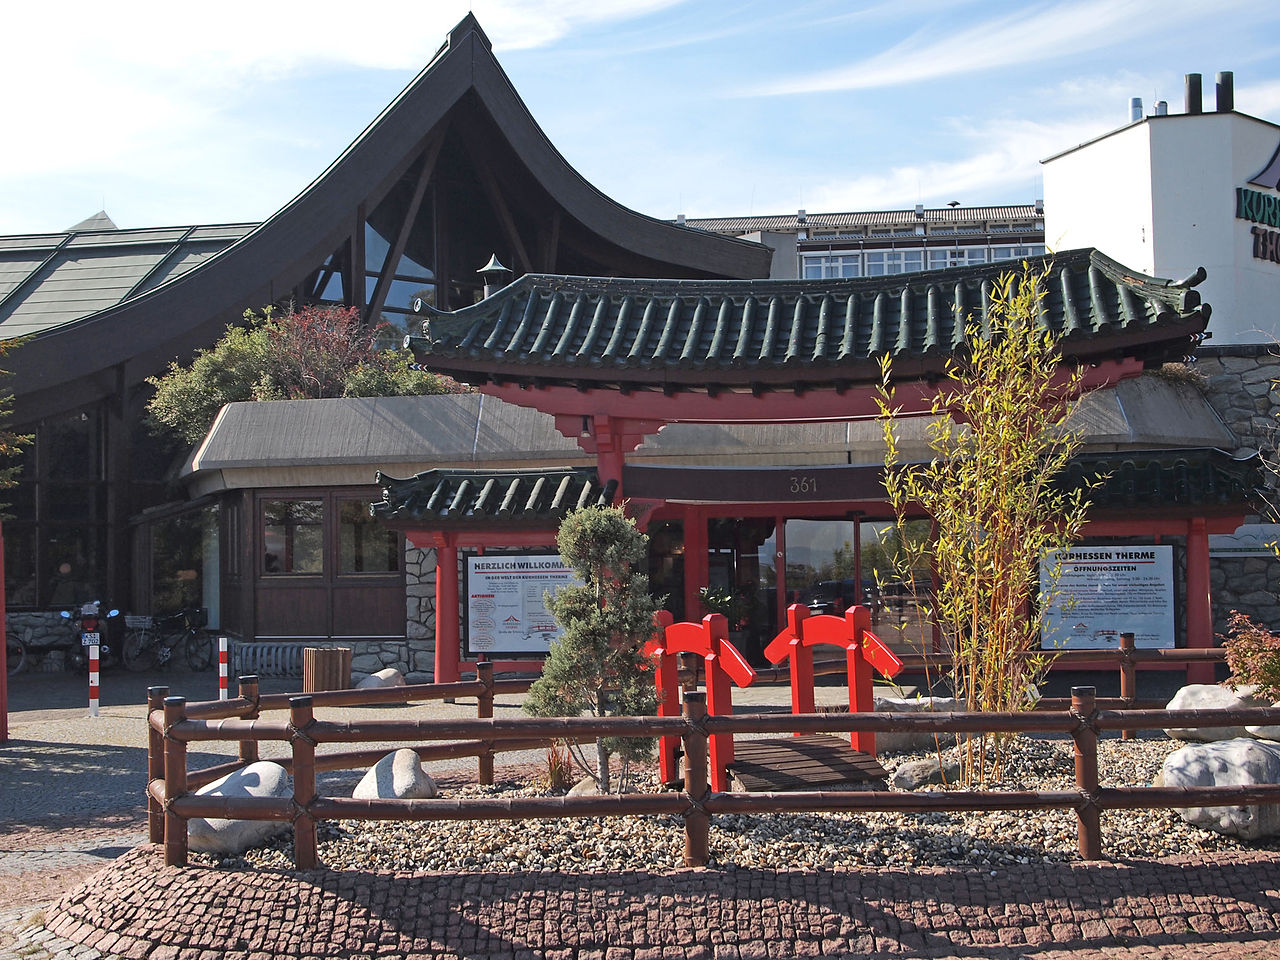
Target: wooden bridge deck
pixel 817 761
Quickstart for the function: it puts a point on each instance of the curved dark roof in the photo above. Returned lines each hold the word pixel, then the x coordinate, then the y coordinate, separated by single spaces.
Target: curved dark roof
pixel 462 499
pixel 86 359
pixel 686 334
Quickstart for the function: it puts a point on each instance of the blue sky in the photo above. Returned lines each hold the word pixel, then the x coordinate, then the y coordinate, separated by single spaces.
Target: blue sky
pixel 170 113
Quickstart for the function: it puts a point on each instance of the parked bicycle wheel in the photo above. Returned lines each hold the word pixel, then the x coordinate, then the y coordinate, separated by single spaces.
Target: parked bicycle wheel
pixel 138 651
pixel 15 654
pixel 199 650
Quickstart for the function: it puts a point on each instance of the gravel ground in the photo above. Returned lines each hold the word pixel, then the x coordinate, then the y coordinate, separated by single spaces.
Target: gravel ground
pixel 776 841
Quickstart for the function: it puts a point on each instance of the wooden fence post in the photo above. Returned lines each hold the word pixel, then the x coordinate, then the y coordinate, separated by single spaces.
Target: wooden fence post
pixel 175 783
pixel 697 822
pixel 249 690
pixel 484 711
pixel 1128 678
pixel 301 717
pixel 155 764
pixel 1088 814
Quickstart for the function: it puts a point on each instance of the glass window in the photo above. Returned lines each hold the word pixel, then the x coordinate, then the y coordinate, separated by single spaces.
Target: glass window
pixel 178 562
pixel 821 564
pixel 20 579
pixel 941 259
pixel 912 260
pixel 293 536
pixel 365 545
pixel 71 444
pixel 876 265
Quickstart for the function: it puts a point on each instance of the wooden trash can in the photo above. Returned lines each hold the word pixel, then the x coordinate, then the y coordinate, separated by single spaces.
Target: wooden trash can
pixel 326 668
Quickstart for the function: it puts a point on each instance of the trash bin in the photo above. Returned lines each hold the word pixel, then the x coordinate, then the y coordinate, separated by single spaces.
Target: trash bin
pixel 326 668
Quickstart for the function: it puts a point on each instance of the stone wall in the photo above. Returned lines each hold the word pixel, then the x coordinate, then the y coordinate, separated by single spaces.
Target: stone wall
pixel 420 613
pixel 1239 382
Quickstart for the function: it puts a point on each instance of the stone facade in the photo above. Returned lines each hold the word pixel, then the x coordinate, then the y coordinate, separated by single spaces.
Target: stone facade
pixel 1240 384
pixel 420 614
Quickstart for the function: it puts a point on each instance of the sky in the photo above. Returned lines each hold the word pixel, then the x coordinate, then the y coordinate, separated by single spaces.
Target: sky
pixel 173 114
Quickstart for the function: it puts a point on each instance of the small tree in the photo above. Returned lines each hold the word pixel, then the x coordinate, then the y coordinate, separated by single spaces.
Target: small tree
pixel 998 445
pixel 11 443
pixel 308 354
pixel 598 665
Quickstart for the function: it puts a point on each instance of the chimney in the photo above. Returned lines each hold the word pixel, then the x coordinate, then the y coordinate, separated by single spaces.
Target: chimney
pixel 1162 108
pixel 920 211
pixel 1135 109
pixel 800 216
pixel 1193 93
pixel 1039 205
pixel 679 219
pixel 1226 91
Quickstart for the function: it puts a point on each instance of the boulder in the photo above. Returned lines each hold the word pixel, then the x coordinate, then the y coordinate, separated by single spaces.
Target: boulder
pixel 1211 696
pixel 1239 762
pixel 398 776
pixel 907 740
pixel 390 677
pixel 915 774
pixel 1265 732
pixel 260 779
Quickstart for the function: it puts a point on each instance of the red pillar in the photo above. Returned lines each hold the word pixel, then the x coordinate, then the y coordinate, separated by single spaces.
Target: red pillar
pixel 696 568
pixel 447 626
pixel 4 666
pixel 1199 609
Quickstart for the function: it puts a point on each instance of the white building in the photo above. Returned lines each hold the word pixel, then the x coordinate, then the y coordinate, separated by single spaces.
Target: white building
pixel 1173 192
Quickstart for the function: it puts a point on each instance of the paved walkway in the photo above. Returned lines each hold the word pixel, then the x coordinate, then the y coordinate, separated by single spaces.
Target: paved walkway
pixel 74 882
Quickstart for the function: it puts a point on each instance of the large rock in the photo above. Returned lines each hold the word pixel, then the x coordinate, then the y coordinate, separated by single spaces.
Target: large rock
pixel 1210 696
pixel 399 776
pixel 907 740
pixel 390 677
pixel 1265 731
pixel 260 779
pixel 915 774
pixel 1239 762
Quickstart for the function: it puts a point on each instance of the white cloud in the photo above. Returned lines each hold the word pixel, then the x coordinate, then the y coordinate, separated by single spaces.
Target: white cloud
pixel 1002 160
pixel 1028 36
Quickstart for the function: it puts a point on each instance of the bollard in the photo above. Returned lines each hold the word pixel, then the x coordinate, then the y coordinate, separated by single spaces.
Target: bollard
pixel 1088 814
pixel 93 680
pixel 697 822
pixel 304 783
pixel 223 666
pixel 155 764
pixel 175 783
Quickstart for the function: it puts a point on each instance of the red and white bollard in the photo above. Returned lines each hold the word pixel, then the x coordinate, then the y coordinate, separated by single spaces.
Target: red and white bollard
pixel 222 668
pixel 93 680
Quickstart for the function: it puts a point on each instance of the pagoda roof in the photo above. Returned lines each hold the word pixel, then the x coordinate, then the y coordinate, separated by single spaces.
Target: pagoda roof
pixel 681 335
pixel 154 312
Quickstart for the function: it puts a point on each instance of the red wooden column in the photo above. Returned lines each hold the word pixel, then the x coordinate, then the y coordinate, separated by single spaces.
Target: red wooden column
pixel 696 566
pixel 1199 609
pixel 448 634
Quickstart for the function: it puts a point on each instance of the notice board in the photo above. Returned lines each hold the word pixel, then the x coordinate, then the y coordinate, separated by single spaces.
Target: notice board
pixel 1102 592
pixel 505 608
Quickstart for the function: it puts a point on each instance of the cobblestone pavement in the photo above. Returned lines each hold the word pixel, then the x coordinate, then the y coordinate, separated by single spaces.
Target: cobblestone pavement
pixel 74 882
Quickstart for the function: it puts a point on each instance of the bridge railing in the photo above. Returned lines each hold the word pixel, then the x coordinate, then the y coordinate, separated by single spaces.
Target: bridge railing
pixel 173 725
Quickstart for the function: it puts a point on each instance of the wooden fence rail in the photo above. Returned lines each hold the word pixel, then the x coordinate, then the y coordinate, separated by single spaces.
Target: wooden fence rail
pixel 173 724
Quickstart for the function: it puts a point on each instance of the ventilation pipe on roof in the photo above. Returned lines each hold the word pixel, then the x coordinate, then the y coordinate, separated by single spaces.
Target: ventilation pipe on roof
pixel 1162 108
pixel 1194 103
pixel 1226 91
pixel 1135 109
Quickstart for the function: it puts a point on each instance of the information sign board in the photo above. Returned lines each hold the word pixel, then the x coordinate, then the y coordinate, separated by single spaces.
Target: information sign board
pixel 1104 591
pixel 505 608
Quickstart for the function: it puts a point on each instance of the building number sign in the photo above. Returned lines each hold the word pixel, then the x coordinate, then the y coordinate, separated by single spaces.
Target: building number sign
pixel 803 485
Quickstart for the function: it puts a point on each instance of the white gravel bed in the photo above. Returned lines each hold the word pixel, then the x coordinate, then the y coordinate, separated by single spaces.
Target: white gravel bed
pixel 778 841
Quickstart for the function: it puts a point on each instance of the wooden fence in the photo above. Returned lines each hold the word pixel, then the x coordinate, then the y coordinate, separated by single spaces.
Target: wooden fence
pixel 173 724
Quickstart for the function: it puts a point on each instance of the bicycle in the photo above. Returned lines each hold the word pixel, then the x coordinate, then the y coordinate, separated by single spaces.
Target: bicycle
pixel 15 652
pixel 153 641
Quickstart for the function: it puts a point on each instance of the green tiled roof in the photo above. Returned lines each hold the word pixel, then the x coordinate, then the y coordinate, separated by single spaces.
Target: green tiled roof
pixel 445 499
pixel 686 334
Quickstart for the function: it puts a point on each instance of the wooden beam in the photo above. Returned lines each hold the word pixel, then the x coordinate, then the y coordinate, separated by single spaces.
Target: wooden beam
pixel 489 182
pixel 383 286
pixel 551 243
